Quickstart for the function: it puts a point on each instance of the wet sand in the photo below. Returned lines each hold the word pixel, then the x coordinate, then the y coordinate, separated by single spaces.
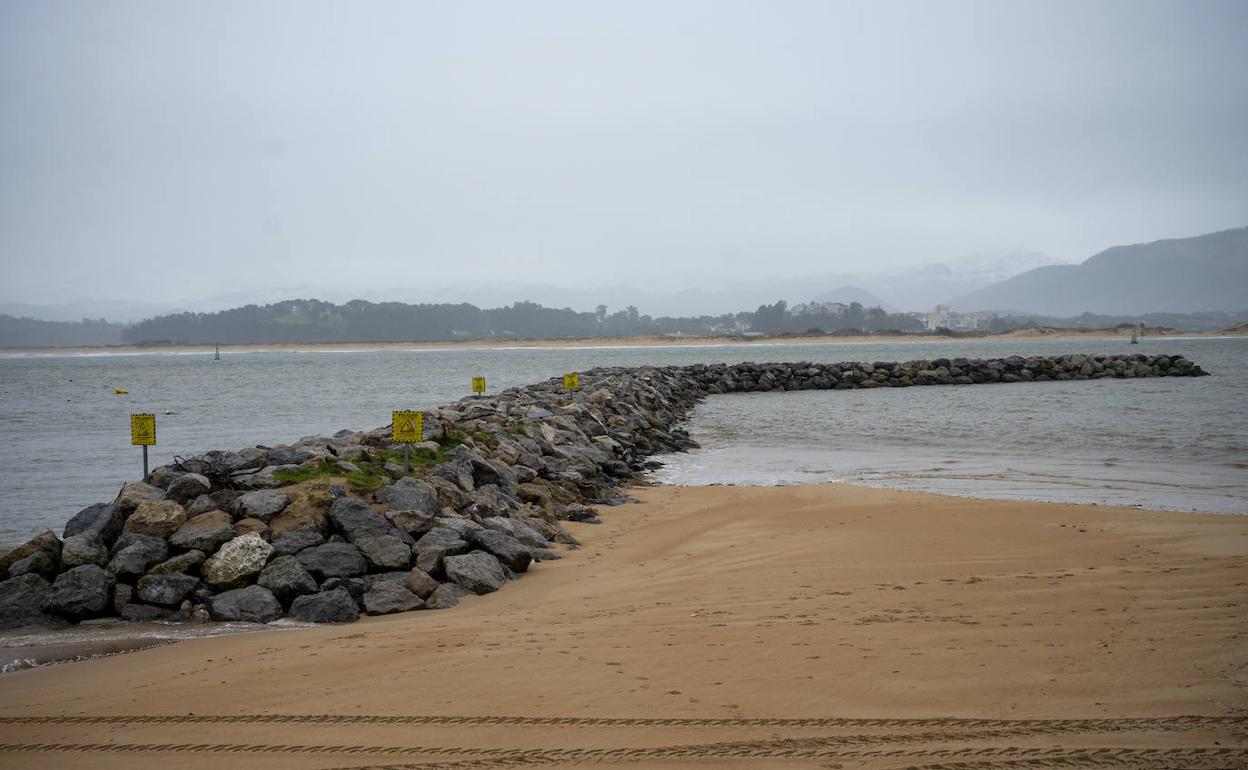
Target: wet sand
pixel 819 626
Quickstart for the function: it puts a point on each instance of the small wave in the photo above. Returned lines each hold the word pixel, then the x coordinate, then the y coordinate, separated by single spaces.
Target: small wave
pixel 17 665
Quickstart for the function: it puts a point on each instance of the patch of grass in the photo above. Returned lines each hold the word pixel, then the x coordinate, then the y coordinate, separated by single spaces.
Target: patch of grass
pixel 367 479
pixel 320 500
pixel 419 456
pixel 325 468
pixel 454 438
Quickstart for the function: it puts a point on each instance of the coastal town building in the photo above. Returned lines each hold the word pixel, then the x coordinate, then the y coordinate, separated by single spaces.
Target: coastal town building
pixel 943 317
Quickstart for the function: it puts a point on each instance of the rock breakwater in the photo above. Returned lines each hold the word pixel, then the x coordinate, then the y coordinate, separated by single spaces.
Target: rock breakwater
pixel 330 527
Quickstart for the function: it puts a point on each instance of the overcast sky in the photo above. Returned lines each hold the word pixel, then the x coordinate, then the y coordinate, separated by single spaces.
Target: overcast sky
pixel 181 150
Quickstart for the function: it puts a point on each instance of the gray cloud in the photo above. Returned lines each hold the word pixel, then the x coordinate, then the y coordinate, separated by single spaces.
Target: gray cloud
pixel 206 149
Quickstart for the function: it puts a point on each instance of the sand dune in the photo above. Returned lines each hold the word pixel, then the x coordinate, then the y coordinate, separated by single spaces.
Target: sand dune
pixel 817 626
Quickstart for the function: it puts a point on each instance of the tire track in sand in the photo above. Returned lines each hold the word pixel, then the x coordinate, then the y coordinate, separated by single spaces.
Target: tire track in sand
pixel 922 744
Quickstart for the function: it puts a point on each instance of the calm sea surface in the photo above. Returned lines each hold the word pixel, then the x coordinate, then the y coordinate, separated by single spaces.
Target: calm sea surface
pixel 1167 443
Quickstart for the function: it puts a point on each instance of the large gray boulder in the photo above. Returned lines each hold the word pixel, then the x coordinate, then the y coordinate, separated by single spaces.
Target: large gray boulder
pixel 184 562
pixel 478 571
pixel 444 539
pixel 483 471
pixel 408 494
pixel 517 529
pixel 393 576
pixel 206 532
pixel 168 589
pixel 489 500
pixel 356 586
pixel 187 487
pixel 288 455
pixel 414 523
pixel 354 519
pixel 134 554
pixel 21 603
pixel 293 542
pixel 102 520
pixel 445 596
pixel 38 563
pixel 334 606
pixel 458 473
pixel 513 554
pixel 388 596
pixel 449 493
pixel 301 518
pixel 262 505
pixel 135 493
pixel 253 604
pixel 430 560
pixel 287 578
pixel 158 518
pixel 261 479
pixel 332 560
pixel 83 548
pixel 458 524
pixel 82 592
pixel 237 562
pixel 45 542
pixel 385 552
pixel 435 545
pixel 163 475
pixel 201 504
pixel 220 463
pixel 420 582
pixel 221 500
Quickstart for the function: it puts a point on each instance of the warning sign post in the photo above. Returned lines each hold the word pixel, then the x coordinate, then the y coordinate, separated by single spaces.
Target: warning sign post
pixel 407 428
pixel 143 433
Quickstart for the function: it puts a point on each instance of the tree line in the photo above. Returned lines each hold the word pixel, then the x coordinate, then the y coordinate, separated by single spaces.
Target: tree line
pixel 306 321
pixel 32 333
pixel 312 321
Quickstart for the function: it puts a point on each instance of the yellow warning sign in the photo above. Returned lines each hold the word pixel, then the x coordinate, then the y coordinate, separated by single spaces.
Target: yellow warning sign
pixel 143 429
pixel 572 381
pixel 409 427
pixel 478 384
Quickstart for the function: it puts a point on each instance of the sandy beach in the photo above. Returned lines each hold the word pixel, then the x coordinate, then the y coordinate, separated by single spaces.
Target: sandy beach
pixel 818 626
pixel 644 341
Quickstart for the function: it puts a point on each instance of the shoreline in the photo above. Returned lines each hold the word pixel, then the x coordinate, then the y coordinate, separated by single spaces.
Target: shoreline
pixel 822 602
pixel 647 341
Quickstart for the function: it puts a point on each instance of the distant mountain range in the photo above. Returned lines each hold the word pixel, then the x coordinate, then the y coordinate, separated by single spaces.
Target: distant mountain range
pixel 1188 275
pixel 1182 275
pixel 909 288
pixel 925 286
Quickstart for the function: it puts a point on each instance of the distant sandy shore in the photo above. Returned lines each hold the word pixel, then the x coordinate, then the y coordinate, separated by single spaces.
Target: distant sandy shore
pixel 901 629
pixel 603 342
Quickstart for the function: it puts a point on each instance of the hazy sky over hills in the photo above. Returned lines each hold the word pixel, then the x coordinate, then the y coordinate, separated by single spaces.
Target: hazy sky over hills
pixel 197 149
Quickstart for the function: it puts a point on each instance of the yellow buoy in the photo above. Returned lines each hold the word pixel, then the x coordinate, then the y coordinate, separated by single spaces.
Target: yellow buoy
pixel 120 391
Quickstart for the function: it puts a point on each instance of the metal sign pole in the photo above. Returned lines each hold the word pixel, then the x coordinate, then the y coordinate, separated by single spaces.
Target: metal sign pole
pixel 143 433
pixel 407 428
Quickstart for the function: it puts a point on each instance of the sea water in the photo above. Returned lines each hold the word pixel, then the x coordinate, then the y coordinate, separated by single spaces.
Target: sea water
pixel 1179 443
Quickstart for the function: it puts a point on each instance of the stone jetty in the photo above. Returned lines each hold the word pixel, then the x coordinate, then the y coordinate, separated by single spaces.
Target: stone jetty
pixel 330 527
